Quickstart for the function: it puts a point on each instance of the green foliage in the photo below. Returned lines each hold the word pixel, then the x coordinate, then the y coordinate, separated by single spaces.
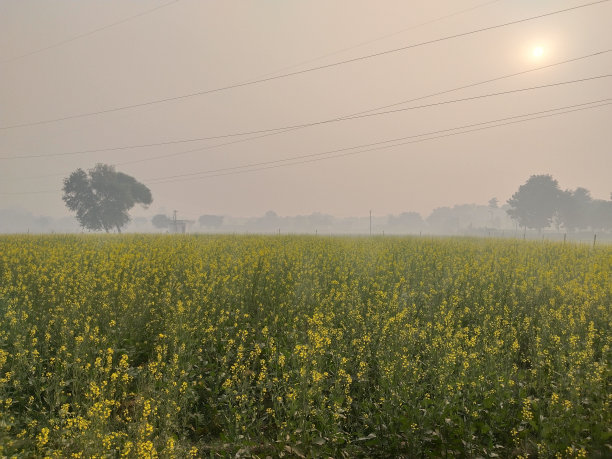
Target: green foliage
pixel 540 201
pixel 102 198
pixel 161 221
pixel 536 202
pixel 224 346
pixel 574 207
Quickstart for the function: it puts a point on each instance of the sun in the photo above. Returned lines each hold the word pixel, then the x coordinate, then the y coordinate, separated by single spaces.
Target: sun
pixel 538 51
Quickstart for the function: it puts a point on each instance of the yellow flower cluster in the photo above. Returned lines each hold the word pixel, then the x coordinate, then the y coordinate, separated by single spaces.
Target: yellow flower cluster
pixel 190 346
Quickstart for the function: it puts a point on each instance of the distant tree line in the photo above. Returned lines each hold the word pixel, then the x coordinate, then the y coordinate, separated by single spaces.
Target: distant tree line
pixel 540 203
pixel 537 204
pixel 102 197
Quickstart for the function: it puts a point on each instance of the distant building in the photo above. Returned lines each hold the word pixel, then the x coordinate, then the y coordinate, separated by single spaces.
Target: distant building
pixel 179 226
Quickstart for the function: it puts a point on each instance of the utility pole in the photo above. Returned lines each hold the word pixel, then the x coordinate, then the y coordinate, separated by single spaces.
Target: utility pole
pixel 370 223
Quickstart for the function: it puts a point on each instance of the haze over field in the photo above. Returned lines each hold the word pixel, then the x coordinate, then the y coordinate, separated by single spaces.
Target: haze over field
pixel 62 59
pixel 360 228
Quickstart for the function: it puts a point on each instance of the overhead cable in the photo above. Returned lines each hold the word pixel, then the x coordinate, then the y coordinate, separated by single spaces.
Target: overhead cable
pixel 299 72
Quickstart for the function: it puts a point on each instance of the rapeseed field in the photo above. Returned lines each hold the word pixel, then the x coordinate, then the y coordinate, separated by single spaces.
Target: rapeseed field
pixel 295 346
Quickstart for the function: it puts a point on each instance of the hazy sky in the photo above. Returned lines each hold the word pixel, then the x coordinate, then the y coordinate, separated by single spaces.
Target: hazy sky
pixel 196 45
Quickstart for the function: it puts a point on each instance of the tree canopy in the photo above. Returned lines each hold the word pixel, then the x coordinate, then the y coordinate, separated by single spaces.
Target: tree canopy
pixel 539 202
pixel 102 197
pixel 536 202
pixel 574 209
pixel 161 221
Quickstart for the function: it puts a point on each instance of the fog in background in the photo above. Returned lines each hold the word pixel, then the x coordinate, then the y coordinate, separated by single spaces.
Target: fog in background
pixel 458 220
pixel 190 46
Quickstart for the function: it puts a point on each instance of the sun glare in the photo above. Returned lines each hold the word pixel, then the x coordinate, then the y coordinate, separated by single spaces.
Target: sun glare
pixel 538 51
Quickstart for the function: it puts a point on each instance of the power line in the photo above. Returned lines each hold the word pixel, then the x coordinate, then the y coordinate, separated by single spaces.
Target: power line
pixel 396 145
pixel 384 147
pixel 314 157
pixel 491 80
pixel 482 96
pixel 359 45
pixel 365 115
pixel 280 130
pixel 354 117
pixel 86 34
pixel 347 119
pixel 437 134
pixel 312 69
